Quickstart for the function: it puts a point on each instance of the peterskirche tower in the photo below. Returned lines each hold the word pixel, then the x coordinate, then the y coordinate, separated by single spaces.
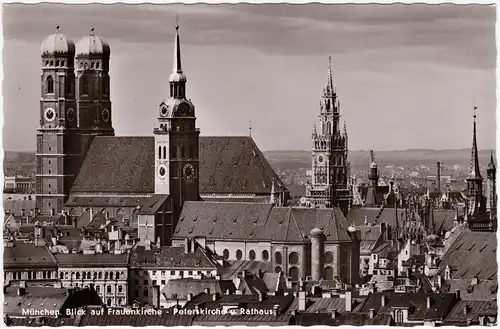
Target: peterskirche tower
pixel 176 141
pixel 330 168
pixel 477 217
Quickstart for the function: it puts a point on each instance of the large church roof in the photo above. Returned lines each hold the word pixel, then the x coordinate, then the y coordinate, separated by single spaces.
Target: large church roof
pixel 126 165
pixel 258 221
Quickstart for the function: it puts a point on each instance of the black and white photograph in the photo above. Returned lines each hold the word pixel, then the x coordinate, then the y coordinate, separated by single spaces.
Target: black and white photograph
pixel 249 164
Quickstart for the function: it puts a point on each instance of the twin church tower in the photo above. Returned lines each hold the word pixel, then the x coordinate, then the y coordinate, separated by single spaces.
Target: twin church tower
pixel 75 108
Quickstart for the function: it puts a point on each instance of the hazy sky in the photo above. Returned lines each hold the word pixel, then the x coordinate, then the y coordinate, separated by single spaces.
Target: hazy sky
pixel 407 75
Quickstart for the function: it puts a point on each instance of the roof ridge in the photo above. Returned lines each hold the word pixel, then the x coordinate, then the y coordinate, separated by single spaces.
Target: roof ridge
pixel 288 224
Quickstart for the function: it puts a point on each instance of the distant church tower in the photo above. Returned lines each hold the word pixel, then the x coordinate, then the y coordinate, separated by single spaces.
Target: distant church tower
pixel 176 142
pixel 328 187
pixel 491 204
pixel 57 138
pixel 476 216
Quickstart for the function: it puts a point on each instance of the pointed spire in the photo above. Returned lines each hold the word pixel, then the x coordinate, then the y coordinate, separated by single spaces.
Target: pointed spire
pixel 177 48
pixel 273 193
pixel 330 79
pixel 474 171
pixel 250 128
pixel 345 128
pixel 491 165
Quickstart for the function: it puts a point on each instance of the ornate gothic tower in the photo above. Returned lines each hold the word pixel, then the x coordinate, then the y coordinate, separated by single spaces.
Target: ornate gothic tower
pixel 56 153
pixel 491 195
pixel 93 113
pixel 328 187
pixel 176 142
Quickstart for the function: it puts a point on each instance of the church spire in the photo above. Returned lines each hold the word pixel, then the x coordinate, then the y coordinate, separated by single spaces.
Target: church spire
pixel 177 49
pixel 177 78
pixel 330 79
pixel 474 171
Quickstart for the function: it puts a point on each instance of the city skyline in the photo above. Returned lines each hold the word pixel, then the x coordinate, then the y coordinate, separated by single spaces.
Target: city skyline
pixel 385 60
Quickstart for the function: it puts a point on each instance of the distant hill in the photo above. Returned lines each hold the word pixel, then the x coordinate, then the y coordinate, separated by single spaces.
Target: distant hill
pixel 294 160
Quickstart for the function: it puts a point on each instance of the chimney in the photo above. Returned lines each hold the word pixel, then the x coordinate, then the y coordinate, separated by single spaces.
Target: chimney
pixel 218 277
pixel 440 281
pixel 52 212
pixel 156 297
pixel 301 284
pixel 207 291
pixel 215 296
pixel 302 301
pixel 193 245
pixel 22 284
pixel 186 246
pixel 466 309
pixel 243 274
pixel 189 296
pixel 348 301
pixel 334 314
pixel 429 302
pixel 228 292
pixel 314 290
pixel 21 291
pixel 383 300
pixel 457 294
pixel 372 313
pixel 260 296
pixel 438 176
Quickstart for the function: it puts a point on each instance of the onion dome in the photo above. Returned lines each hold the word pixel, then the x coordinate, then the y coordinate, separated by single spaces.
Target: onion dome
pixel 315 232
pixel 92 45
pixel 57 44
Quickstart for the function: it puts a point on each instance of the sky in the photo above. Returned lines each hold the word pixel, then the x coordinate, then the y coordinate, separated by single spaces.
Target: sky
pixel 407 76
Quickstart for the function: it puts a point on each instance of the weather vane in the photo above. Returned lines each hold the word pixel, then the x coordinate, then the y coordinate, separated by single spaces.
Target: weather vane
pixel 177 20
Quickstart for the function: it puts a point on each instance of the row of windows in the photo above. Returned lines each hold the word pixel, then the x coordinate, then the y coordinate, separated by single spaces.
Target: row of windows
pixel 251 254
pixel 140 273
pixel 91 275
pixel 293 272
pixel 293 258
pixel 58 63
pixel 44 275
pixel 92 65
pixel 109 288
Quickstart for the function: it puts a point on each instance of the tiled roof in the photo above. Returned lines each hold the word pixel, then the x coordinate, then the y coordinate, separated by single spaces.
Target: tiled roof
pixel 47 298
pixel 443 219
pixel 342 319
pixel 474 309
pixel 440 306
pixel 320 305
pixel 369 233
pixel 252 266
pixel 27 255
pixel 143 320
pixel 484 290
pixel 254 221
pixel 47 322
pixel 180 288
pixel 472 254
pixel 48 220
pixel 248 301
pixel 126 165
pixel 242 320
pixel 375 215
pixel 16 206
pixel 151 205
pixel 126 202
pixel 92 260
pixel 169 257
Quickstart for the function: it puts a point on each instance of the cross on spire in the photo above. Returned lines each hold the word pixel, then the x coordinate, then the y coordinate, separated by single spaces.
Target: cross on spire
pixel 57 28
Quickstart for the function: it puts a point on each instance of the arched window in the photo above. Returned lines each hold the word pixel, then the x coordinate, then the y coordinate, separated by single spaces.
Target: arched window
pixel 117 276
pixel 111 275
pixel 328 273
pixel 277 269
pixel 88 275
pixel 62 63
pixel 105 275
pixel 84 276
pixel 120 288
pixel 100 275
pixel 265 255
pixel 108 289
pixel 277 258
pixel 293 273
pixel 95 275
pixel 61 276
pixel 108 302
pixel 164 152
pixel 57 63
pixel 293 258
pixel 399 316
pixel 119 215
pixel 328 257
pixel 251 255
pixel 50 85
pixel 239 254
pixel 120 301
pixel 159 152
pixel 98 289
pixel 225 254
pixel 84 85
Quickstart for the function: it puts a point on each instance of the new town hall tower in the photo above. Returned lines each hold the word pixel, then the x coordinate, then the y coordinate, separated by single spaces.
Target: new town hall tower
pixel 73 110
pixel 330 167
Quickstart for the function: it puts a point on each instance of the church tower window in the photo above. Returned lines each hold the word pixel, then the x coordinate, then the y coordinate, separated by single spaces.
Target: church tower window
pixel 85 85
pixel 50 85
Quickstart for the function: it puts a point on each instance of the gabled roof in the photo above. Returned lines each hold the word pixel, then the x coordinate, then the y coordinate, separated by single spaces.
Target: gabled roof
pixel 180 288
pixel 474 310
pixel 27 255
pixel 472 254
pixel 376 215
pixel 342 319
pixel 166 319
pixel 92 260
pixel 169 257
pixel 254 221
pixel 126 165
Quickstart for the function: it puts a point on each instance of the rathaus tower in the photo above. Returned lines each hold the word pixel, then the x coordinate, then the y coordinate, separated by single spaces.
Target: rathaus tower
pixel 330 168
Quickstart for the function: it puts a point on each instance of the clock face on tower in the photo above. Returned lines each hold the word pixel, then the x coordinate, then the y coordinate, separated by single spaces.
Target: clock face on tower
pixel 321 158
pixel 105 115
pixel 163 110
pixel 70 115
pixel 162 171
pixel 188 171
pixel 50 114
